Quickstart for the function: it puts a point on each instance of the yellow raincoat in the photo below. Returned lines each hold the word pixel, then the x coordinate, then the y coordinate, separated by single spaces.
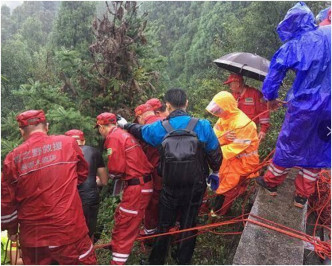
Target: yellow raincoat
pixel 240 156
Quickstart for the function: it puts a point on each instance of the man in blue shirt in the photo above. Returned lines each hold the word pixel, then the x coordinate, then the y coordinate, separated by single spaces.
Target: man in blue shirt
pixel 180 202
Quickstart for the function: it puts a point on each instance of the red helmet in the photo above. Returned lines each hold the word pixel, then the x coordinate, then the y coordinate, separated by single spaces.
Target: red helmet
pixel 31 117
pixel 141 109
pixel 234 77
pixel 105 119
pixel 155 103
pixel 75 133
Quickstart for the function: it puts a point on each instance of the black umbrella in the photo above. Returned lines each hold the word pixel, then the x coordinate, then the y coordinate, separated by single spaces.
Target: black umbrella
pixel 246 64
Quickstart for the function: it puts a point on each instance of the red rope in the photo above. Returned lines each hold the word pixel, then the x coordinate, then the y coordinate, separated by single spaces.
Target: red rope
pixel 232 221
pixel 320 203
pixel 323 249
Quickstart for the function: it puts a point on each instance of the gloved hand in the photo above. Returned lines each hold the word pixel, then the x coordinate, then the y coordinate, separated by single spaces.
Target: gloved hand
pixel 261 136
pixel 121 122
pixel 213 181
pixel 230 136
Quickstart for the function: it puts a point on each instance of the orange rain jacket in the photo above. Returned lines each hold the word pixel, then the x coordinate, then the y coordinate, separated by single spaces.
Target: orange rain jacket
pixel 240 156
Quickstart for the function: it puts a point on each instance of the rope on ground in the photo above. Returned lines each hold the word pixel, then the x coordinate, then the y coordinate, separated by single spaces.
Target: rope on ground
pixel 320 204
pixel 322 248
pixel 171 232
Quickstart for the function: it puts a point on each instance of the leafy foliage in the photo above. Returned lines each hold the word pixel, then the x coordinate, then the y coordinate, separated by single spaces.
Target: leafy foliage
pixel 120 76
pixel 72 27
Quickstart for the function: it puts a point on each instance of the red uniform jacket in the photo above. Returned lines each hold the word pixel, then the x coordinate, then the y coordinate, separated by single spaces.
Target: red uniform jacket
pixel 125 155
pixel 39 191
pixel 252 103
pixel 152 154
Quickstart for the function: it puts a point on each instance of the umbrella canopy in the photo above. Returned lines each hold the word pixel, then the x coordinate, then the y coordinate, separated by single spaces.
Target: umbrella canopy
pixel 246 64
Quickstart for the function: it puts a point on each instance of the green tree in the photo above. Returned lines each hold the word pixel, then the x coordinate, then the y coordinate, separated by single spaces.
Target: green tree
pixel 61 113
pixel 6 24
pixel 32 32
pixel 72 28
pixel 16 67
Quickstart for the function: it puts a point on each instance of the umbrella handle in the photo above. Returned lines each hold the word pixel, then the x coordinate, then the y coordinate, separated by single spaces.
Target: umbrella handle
pixel 242 68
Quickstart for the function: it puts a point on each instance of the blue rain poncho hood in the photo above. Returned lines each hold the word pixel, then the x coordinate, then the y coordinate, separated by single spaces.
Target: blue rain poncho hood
pixel 298 20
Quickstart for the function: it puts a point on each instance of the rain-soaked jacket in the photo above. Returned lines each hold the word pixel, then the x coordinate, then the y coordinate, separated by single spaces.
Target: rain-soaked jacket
pixel 240 155
pixel 39 191
pixel 305 137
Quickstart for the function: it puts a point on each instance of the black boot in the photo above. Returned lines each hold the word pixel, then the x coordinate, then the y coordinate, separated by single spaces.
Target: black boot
pixel 272 190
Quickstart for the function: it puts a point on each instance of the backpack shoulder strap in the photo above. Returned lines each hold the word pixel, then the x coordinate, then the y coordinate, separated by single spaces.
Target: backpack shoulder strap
pixel 167 126
pixel 192 123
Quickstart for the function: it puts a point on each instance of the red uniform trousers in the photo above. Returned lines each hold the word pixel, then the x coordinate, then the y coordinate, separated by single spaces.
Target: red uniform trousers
pixel 151 212
pixel 128 218
pixel 305 181
pixel 79 252
pixel 232 194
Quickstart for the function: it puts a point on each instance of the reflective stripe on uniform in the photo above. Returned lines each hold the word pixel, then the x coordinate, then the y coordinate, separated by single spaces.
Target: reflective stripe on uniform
pixel 9 218
pixel 308 175
pixel 150 231
pixel 242 141
pixel 276 171
pixel 86 253
pixel 128 211
pixel 273 168
pixel 119 259
pixel 120 255
pixel 147 190
pixel 247 154
pixel 9 215
pixel 264 120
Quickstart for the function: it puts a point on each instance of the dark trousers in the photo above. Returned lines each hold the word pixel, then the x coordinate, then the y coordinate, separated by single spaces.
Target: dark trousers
pixel 90 213
pixel 183 205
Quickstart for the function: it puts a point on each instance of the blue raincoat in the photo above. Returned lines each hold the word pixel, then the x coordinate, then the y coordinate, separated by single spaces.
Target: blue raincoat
pixel 305 137
pixel 323 14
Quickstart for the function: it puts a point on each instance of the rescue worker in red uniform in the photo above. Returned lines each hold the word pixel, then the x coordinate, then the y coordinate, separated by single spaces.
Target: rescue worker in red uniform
pixel 145 115
pixel 39 193
pixel 126 160
pixel 251 102
pixel 158 108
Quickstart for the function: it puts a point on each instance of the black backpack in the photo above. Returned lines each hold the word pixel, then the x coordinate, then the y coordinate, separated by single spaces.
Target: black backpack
pixel 181 156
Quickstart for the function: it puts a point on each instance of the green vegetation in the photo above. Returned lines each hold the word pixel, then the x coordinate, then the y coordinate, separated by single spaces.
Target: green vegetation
pixel 75 60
